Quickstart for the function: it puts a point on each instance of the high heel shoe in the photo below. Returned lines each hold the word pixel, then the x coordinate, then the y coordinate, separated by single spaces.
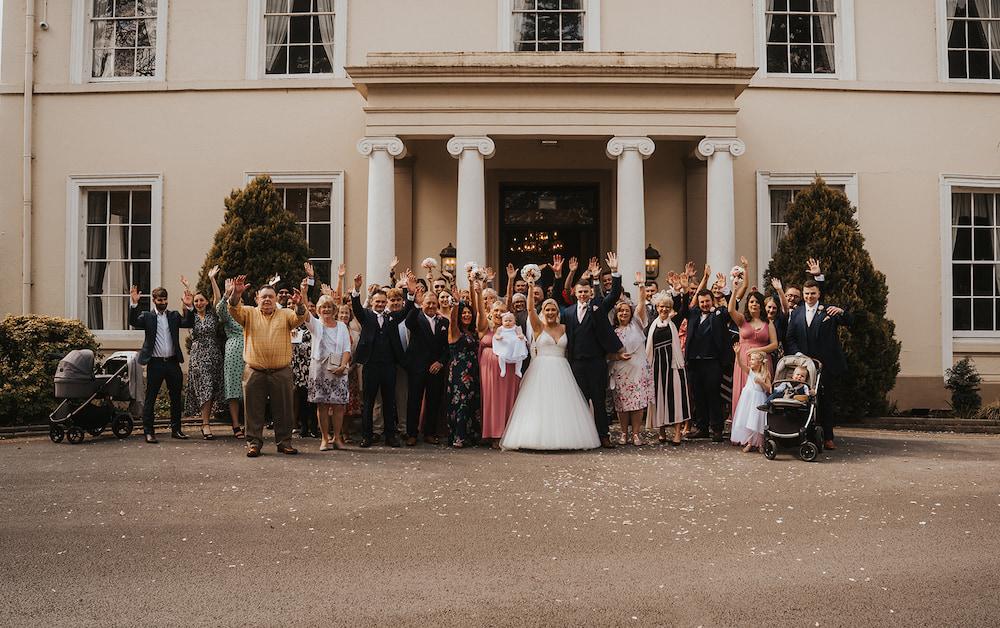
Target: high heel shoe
pixel 239 433
pixel 636 441
pixel 207 435
pixel 623 439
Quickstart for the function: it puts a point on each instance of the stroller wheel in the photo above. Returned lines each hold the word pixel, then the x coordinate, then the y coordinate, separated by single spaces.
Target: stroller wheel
pixel 770 449
pixel 74 435
pixel 56 433
pixel 808 451
pixel 123 426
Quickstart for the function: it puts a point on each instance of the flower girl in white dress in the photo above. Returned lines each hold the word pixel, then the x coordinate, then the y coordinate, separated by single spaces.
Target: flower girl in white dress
pixel 748 421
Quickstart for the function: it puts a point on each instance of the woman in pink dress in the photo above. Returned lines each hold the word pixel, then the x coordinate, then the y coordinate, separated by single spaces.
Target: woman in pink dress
pixel 756 332
pixel 497 392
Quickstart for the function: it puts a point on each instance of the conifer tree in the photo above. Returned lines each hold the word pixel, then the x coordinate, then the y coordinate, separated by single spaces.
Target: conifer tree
pixel 258 238
pixel 822 225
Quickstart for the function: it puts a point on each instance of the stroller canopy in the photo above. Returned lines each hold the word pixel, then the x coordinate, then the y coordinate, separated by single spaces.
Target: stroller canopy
pixel 787 365
pixel 77 366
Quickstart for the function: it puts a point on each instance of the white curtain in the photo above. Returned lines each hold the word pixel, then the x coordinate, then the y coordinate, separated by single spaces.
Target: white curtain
pixel 993 26
pixel 326 26
pixel 768 18
pixel 826 28
pixel 518 20
pixel 961 216
pixel 277 29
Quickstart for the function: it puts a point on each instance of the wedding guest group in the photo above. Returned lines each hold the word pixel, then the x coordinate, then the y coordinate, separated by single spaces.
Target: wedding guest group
pixel 542 365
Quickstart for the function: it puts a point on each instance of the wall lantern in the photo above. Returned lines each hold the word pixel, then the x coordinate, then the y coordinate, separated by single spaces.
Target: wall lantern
pixel 448 255
pixel 652 263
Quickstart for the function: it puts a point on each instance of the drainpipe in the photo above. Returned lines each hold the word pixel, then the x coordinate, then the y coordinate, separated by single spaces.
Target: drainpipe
pixel 29 88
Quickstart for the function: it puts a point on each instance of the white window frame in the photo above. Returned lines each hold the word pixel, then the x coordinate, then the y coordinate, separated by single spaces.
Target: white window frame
pixel 845 53
pixel 1 40
pixel 767 180
pixel 591 26
pixel 77 187
pixel 81 54
pixel 985 340
pixel 333 178
pixel 941 14
pixel 257 44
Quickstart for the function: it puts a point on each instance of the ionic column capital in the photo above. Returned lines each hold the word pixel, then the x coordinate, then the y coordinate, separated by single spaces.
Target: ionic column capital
pixel 392 145
pixel 481 143
pixel 708 146
pixel 618 145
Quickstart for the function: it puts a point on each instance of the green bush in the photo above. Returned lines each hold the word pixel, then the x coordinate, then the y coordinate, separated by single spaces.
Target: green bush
pixel 963 381
pixel 30 349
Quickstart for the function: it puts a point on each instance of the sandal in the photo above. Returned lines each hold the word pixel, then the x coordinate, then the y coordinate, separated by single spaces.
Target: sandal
pixel 636 441
pixel 662 438
pixel 458 444
pixel 748 448
pixel 207 436
pixel 239 433
pixel 623 439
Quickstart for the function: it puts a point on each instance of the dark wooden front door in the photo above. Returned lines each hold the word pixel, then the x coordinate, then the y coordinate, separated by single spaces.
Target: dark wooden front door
pixel 540 220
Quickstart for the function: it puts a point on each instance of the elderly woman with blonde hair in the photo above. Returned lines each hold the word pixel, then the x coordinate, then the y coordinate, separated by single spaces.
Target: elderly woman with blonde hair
pixel 671 405
pixel 328 370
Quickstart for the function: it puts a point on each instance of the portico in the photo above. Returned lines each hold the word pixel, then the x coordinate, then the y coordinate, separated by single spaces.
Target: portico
pixel 570 117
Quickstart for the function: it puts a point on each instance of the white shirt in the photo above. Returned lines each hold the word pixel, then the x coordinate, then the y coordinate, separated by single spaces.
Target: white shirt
pixel 404 335
pixel 810 313
pixel 581 311
pixel 703 317
pixel 431 320
pixel 162 347
pixel 380 317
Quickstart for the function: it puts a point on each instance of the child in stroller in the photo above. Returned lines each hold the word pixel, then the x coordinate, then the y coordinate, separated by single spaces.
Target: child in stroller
pixel 89 395
pixel 797 389
pixel 792 408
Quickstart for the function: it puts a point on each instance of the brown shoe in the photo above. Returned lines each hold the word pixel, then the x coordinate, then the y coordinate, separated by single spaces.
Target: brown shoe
pixel 286 449
pixel 431 440
pixel 829 445
pixel 253 451
pixel 606 443
pixel 411 441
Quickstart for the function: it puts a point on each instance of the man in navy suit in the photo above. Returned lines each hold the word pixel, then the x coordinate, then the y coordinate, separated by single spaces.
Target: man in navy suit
pixel 379 351
pixel 590 339
pixel 812 331
pixel 706 350
pixel 161 353
pixel 426 358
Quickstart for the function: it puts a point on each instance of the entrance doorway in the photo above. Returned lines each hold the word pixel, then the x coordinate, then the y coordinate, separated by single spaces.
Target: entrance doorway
pixel 539 220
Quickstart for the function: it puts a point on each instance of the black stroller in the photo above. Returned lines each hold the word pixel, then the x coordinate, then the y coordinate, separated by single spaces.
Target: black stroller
pixel 791 423
pixel 90 394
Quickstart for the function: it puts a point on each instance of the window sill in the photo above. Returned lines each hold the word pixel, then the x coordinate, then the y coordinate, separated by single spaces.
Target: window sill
pixel 836 84
pixel 118 335
pixel 976 344
pixel 183 86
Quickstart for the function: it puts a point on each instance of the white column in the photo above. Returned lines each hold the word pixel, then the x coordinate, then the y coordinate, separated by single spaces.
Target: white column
pixel 631 246
pixel 381 231
pixel 721 214
pixel 470 238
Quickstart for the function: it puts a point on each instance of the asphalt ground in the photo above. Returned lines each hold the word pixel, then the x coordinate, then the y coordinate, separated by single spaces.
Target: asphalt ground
pixel 892 529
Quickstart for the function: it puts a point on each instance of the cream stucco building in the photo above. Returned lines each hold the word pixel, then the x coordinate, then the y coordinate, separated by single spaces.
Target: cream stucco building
pixel 506 127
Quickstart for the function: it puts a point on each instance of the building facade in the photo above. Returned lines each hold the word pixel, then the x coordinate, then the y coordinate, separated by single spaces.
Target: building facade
pixel 513 129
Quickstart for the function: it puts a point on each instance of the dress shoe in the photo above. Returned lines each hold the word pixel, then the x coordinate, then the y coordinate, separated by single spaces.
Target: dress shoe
pixel 411 441
pixel 829 445
pixel 151 439
pixel 392 441
pixel 253 451
pixel 606 443
pixel 717 437
pixel 366 442
pixel 287 449
pixel 696 433
pixel 179 434
pixel 431 440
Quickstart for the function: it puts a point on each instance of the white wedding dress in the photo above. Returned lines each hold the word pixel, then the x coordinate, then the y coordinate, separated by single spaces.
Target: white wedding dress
pixel 550 411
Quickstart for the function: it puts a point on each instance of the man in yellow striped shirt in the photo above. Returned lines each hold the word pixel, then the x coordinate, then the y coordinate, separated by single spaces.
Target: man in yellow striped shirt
pixel 267 351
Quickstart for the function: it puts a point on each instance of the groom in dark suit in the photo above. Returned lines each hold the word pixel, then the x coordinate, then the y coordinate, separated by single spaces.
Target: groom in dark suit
pixel 812 331
pixel 426 362
pixel 590 339
pixel 706 351
pixel 161 353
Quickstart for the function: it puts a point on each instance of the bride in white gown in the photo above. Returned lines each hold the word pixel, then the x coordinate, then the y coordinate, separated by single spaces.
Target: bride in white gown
pixel 550 411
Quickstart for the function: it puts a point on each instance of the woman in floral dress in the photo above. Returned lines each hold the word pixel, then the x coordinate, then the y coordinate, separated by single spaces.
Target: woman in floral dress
pixel 631 379
pixel 463 372
pixel 233 365
pixel 301 356
pixel 204 383
pixel 328 367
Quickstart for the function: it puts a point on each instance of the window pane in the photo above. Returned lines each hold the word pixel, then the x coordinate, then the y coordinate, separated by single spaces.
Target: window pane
pixel 526 46
pixel 823 60
pixel 102 8
pixel 779 29
pixel 575 4
pixel 298 59
pixel 825 6
pixel 823 29
pixel 141 240
pixel 146 7
pixel 321 62
pixel 982 280
pixel 548 27
pixel 124 8
pixel 961 314
pixel 527 30
pixel 777 58
pixel 139 276
pixel 125 31
pixel 295 202
pixel 279 63
pixel 319 205
pixel 277 29
pixel 801 59
pixel 956 33
pixel 982 244
pixel 548 46
pixel 97 207
pixel 125 62
pixel 97 242
pixel 961 209
pixel 780 5
pixel 995 8
pixel 573 46
pixel 323 269
pixel 780 200
pixel 102 33
pixel 982 205
pixel 798 29
pixel 319 240
pixel 961 244
pixel 145 62
pixel 141 214
pixel 799 5
pixel 119 206
pixel 977 35
pixel 957 64
pixel 982 314
pixel 571 27
pixel 277 6
pixel 299 29
pixel 961 280
pixel 777 235
pixel 301 6
pixel 146 33
pixel 548 5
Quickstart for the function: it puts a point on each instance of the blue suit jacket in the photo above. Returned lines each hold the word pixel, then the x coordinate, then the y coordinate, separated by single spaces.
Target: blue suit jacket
pixel 146 321
pixel 595 331
pixel 819 340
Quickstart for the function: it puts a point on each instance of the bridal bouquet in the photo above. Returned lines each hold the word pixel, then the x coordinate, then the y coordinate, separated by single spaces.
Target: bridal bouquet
pixel 478 274
pixel 531 273
pixel 470 266
pixel 429 263
pixel 736 273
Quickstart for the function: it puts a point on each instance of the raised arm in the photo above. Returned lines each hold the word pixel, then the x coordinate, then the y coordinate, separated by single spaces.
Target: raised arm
pixel 216 294
pixel 482 324
pixel 742 290
pixel 133 311
pixel 341 273
pixel 536 323
pixel 568 284
pixel 734 312
pixel 611 298
pixel 640 309
pixel 782 299
pixel 453 331
pixel 235 305
pixel 739 358
pixel 511 275
pixel 701 286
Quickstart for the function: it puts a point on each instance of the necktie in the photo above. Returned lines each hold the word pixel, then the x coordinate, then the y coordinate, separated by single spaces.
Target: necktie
pixel 581 311
pixel 381 320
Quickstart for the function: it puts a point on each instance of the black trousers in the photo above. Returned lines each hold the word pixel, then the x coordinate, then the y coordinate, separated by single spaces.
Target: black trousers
pixel 157 371
pixel 592 378
pixel 422 384
pixel 827 389
pixel 375 378
pixel 705 377
pixel 308 423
